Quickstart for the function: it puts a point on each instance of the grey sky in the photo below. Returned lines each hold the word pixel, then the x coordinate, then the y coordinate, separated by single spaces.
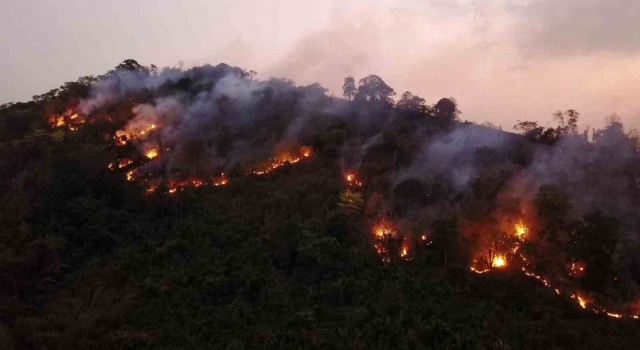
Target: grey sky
pixel 502 60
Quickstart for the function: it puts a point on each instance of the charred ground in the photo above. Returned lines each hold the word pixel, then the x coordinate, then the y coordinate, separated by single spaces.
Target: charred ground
pixel 204 208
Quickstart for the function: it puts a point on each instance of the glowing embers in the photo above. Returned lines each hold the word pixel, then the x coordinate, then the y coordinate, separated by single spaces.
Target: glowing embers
pixel 131 175
pixel 281 159
pixel 404 249
pixel 582 301
pixel 577 269
pixel 221 180
pixel 174 186
pixel 352 179
pixel 69 120
pixel 124 162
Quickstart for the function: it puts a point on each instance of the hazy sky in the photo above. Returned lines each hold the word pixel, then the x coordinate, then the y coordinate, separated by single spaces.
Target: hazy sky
pixel 502 60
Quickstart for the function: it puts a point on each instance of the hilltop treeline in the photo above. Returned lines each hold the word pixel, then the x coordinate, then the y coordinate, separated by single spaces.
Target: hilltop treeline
pixel 288 259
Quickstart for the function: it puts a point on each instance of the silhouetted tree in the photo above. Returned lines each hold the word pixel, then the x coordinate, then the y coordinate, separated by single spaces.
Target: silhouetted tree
pixel 567 122
pixel 446 111
pixel 349 88
pixel 373 89
pixel 412 103
pixel 536 133
pixel 131 64
pixel 527 128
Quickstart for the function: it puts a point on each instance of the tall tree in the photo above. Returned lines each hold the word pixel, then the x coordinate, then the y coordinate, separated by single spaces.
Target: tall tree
pixel 349 88
pixel 412 103
pixel 567 121
pixel 373 89
pixel 446 111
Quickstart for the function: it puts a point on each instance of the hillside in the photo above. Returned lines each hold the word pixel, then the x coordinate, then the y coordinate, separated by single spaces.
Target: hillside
pixel 205 208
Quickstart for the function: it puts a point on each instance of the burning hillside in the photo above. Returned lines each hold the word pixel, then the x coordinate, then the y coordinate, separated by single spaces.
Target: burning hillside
pixel 478 198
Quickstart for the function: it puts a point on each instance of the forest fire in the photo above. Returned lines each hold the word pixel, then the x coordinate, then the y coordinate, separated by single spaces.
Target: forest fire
pixel 174 186
pixel 195 182
pixel 124 162
pixel 521 230
pixel 384 229
pixel 221 180
pixel 386 239
pixel 151 154
pixel 122 137
pixel 69 120
pixel 282 159
pixel 582 302
pixel 499 261
pixel 383 233
pixel 404 252
pixel 131 175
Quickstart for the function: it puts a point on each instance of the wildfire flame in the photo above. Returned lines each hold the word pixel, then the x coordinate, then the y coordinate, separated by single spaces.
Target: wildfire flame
pixel 122 137
pixel 383 229
pixel 131 175
pixel 151 154
pixel 282 159
pixel 521 230
pixel 499 261
pixel 175 186
pixel 582 301
pixel 124 162
pixel 69 120
pixel 222 180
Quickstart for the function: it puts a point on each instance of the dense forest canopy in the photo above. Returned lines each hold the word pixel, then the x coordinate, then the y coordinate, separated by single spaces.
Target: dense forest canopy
pixel 203 207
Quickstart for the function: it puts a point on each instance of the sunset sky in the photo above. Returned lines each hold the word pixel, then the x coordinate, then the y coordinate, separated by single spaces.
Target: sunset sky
pixel 502 60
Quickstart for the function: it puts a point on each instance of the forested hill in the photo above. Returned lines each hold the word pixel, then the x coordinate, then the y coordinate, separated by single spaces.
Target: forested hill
pixel 205 208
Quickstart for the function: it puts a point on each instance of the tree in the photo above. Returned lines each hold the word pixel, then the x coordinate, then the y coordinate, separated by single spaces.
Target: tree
pixel 527 128
pixel 351 202
pixel 373 89
pixel 554 207
pixel 595 243
pixel 447 240
pixel 349 88
pixel 411 103
pixel 567 121
pixel 536 133
pixel 131 64
pixel 446 110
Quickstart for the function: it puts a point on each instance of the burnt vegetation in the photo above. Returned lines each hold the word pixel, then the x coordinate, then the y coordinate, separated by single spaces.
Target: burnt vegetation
pixel 204 208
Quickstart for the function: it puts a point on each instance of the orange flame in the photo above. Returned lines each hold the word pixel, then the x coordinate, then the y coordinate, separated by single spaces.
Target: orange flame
pixel 383 229
pixel 124 162
pixel 281 160
pixel 151 154
pixel 122 137
pixel 131 175
pixel 499 261
pixel 521 230
pixel 69 119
